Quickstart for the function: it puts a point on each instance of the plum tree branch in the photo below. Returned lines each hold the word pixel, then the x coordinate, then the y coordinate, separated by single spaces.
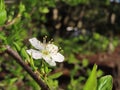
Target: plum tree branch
pixel 19 60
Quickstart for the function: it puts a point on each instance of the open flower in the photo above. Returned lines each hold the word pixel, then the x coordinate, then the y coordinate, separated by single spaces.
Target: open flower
pixel 47 51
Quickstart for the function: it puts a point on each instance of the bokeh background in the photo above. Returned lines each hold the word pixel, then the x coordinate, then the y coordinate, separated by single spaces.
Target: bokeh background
pixel 88 32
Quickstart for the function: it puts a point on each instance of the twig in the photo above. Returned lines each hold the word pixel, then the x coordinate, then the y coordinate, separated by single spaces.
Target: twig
pixel 13 21
pixel 19 60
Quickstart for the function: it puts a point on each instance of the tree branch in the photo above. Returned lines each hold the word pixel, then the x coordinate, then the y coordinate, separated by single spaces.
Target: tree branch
pixel 19 60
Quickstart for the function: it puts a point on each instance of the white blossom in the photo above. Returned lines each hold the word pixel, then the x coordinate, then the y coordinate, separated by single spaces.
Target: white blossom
pixel 47 51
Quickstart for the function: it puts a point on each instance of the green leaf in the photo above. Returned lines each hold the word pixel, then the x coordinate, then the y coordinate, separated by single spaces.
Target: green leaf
pixel 105 83
pixel 21 8
pixel 32 63
pixel 17 46
pixel 2 5
pixel 44 10
pixel 12 80
pixel 85 62
pixel 24 53
pixel 3 17
pixel 3 13
pixel 96 36
pixel 91 83
pixel 99 73
pixel 56 75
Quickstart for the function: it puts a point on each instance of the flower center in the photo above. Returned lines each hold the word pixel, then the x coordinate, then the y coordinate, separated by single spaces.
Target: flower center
pixel 45 52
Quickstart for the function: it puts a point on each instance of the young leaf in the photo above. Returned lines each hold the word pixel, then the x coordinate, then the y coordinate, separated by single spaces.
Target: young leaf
pixel 91 83
pixel 17 46
pixel 105 83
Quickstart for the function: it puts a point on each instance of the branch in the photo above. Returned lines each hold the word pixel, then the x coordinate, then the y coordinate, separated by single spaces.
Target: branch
pixel 19 60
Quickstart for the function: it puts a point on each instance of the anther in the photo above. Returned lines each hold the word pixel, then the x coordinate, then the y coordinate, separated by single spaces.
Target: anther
pixel 51 41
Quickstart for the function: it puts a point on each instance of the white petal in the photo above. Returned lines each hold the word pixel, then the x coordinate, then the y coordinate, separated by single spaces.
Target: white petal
pixel 52 48
pixel 36 43
pixel 52 63
pixel 34 53
pixel 49 60
pixel 58 57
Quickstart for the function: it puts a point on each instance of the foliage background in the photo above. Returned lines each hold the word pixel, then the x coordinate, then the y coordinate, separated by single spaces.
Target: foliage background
pixel 79 27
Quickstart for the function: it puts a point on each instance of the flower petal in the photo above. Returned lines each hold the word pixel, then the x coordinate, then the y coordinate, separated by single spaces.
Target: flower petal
pixel 36 43
pixel 49 60
pixel 34 53
pixel 53 49
pixel 58 57
pixel 52 63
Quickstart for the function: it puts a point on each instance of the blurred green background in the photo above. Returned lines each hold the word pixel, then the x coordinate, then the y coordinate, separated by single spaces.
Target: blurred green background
pixel 87 31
